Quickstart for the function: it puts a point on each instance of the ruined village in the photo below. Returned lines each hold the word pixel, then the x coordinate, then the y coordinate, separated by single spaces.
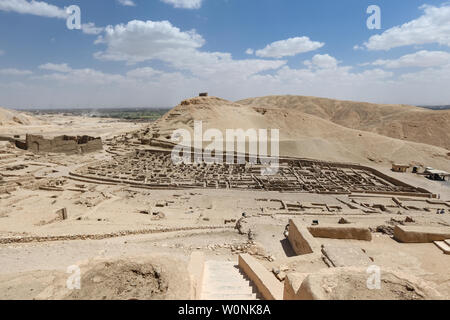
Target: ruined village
pixel 104 197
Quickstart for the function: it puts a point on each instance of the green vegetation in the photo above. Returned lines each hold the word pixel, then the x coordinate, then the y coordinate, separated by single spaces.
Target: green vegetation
pixel 135 114
pixel 129 114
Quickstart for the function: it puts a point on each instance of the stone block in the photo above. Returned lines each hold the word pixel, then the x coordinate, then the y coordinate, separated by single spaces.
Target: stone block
pixel 420 234
pixel 341 232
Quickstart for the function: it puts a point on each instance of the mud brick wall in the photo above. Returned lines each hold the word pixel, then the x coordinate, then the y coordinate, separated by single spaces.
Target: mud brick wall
pixel 91 145
pixel 63 144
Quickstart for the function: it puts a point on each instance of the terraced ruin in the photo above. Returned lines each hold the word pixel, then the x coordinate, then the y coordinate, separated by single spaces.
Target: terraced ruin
pixel 155 170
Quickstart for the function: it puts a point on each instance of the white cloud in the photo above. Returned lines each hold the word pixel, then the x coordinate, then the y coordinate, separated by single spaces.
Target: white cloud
pixel 421 59
pixel 432 27
pixel 140 41
pixel 64 67
pixel 128 3
pixel 61 85
pixel 430 76
pixel 14 72
pixel 65 75
pixel 323 61
pixel 43 9
pixel 184 4
pixel 289 47
pixel 146 86
pixel 38 8
pixel 144 73
pixel 145 40
pixel 221 65
pixel 250 51
pixel 88 87
pixel 90 28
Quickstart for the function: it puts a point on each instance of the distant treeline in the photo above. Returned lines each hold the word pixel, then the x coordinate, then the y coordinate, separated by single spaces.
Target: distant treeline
pixel 134 114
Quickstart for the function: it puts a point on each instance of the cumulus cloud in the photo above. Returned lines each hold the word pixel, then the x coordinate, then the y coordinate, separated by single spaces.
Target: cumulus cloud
pixel 288 48
pixel 38 8
pixel 221 65
pixel 324 61
pixel 140 41
pixel 173 66
pixel 421 59
pixel 127 3
pixel 432 27
pixel 184 4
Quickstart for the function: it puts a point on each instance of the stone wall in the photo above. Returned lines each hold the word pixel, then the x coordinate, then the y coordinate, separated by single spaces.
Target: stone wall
pixel 341 232
pixel 196 270
pixel 420 234
pixel 63 144
pixel 301 240
pixel 268 286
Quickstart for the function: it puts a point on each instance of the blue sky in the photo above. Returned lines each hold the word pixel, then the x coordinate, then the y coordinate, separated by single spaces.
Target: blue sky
pixel 154 53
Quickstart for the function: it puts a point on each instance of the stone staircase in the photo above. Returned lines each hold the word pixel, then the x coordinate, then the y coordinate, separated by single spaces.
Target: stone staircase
pixel 443 245
pixel 222 280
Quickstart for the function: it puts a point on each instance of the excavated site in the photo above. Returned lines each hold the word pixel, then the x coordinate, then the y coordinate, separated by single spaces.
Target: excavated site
pixel 102 203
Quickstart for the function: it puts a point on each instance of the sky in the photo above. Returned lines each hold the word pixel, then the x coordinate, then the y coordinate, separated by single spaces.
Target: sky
pixel 155 53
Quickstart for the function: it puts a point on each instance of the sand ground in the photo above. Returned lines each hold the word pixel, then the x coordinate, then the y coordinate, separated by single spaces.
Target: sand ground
pixel 171 223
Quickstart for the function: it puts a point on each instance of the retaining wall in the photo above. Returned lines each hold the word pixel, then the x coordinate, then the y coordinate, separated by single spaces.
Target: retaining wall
pixel 268 286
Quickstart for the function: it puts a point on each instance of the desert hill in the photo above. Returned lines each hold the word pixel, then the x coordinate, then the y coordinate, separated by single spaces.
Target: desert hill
pixel 301 134
pixel 13 118
pixel 396 121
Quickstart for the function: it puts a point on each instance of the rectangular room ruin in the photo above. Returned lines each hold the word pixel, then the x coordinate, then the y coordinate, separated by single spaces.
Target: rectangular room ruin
pixel 61 144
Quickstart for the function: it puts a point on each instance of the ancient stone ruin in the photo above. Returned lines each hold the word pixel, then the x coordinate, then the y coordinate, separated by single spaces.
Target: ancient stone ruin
pixel 62 144
pixel 155 169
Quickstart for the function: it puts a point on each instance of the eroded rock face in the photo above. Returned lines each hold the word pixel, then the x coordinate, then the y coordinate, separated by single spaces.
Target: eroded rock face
pixel 122 280
pixel 141 278
pixel 357 284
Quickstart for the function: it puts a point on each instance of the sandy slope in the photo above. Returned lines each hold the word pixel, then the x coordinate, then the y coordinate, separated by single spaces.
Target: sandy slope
pixel 12 118
pixel 53 125
pixel 302 134
pixel 396 121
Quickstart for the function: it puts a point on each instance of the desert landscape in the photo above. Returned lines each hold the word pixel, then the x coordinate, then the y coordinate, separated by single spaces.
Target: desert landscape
pixel 95 208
